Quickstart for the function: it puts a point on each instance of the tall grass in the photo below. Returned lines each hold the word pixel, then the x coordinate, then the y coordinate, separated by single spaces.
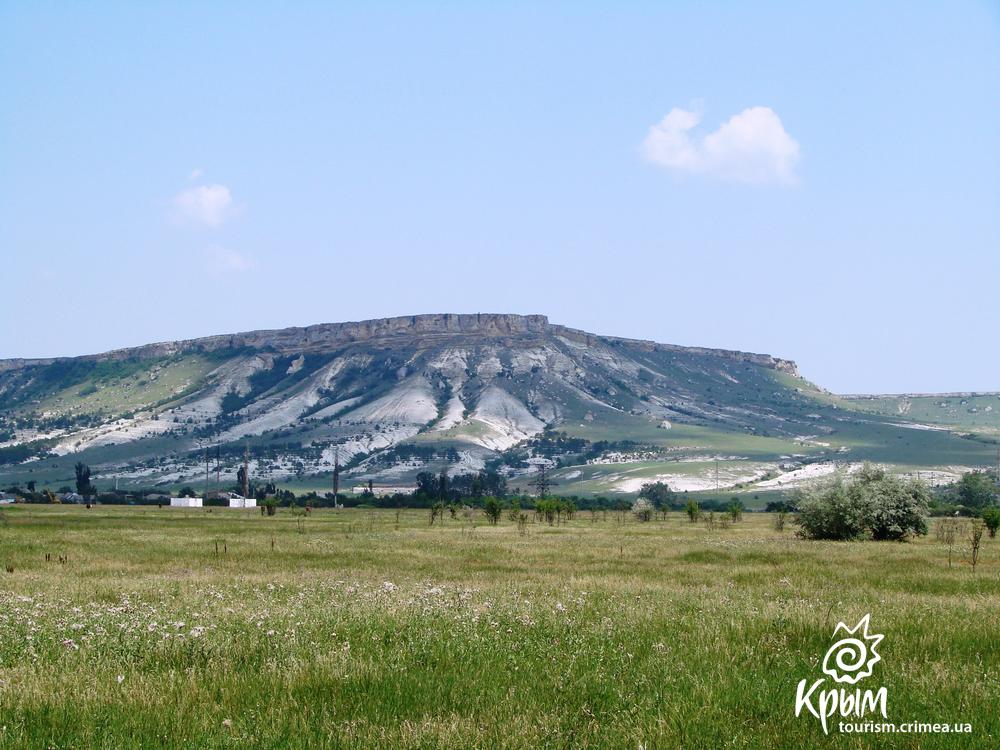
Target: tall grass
pixel 360 629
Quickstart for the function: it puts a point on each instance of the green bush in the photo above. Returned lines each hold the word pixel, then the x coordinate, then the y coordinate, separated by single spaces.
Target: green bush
pixel 872 505
pixel 991 517
pixel 492 508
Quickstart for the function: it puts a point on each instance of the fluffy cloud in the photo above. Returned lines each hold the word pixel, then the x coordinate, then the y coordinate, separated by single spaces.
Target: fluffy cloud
pixel 210 205
pixel 750 147
pixel 223 260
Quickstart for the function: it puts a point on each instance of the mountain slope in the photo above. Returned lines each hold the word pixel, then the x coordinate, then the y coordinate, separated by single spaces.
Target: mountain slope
pixel 391 397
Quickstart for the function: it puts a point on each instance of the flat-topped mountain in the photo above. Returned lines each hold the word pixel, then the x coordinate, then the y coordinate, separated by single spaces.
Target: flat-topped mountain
pixel 330 336
pixel 394 396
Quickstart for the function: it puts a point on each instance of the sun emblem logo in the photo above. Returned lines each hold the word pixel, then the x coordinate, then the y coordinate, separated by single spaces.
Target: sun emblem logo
pixel 851 659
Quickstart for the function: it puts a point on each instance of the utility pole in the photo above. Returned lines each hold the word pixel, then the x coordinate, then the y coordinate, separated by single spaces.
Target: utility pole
pixel 542 483
pixel 246 470
pixel 206 472
pixel 716 475
pixel 336 475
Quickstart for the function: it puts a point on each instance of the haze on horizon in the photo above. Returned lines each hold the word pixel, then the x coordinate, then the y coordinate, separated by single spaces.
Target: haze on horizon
pixel 819 184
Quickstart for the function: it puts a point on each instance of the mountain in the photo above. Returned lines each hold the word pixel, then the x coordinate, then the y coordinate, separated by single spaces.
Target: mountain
pixel 395 396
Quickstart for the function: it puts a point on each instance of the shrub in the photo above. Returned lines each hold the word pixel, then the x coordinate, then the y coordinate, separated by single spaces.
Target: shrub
pixel 492 508
pixel 779 520
pixel 692 510
pixel 735 509
pixel 874 504
pixel 643 509
pixel 991 517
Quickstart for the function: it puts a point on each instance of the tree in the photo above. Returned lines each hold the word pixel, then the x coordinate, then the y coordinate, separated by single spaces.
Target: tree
pixel 186 492
pixel 83 485
pixel 692 510
pixel 443 485
pixel 873 504
pixel 736 509
pixel 643 509
pixel 991 517
pixel 976 490
pixel 659 494
pixel 492 508
pixel 427 484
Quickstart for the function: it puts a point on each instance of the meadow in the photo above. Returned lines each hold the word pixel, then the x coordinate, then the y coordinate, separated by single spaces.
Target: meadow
pixel 154 627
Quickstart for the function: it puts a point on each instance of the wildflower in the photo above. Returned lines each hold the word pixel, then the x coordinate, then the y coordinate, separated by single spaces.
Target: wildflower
pixel 388 586
pixel 121 679
pixel 227 723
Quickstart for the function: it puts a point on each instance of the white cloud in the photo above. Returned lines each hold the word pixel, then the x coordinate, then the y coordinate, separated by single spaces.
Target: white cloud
pixel 751 147
pixel 210 205
pixel 224 260
pixel 196 173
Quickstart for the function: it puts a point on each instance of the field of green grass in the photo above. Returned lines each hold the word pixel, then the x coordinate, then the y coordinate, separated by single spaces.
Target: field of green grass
pixel 218 628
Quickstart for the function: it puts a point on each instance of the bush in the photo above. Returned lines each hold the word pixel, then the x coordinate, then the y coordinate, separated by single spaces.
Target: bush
pixel 872 505
pixel 991 517
pixel 643 509
pixel 492 508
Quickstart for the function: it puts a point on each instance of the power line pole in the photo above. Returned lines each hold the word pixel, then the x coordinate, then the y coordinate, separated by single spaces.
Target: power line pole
pixel 542 483
pixel 246 470
pixel 336 476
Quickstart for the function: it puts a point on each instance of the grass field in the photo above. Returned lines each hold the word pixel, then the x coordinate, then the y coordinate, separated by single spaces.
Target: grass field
pixel 191 628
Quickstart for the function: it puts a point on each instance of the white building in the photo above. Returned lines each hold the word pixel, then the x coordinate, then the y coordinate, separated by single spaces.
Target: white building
pixel 242 502
pixel 185 502
pixel 360 489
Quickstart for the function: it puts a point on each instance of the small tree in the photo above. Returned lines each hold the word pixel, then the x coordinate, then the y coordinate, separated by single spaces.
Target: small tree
pixel 492 508
pixel 659 494
pixel 736 509
pixel 975 539
pixel 693 510
pixel 991 517
pixel 515 510
pixel 947 532
pixel 976 489
pixel 83 485
pixel 642 509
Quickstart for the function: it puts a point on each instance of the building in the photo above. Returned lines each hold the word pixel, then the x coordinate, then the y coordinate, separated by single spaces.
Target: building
pixel 185 502
pixel 7 499
pixel 242 502
pixel 360 489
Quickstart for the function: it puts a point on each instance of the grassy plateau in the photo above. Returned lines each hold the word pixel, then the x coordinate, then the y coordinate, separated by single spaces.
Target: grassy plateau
pixel 174 628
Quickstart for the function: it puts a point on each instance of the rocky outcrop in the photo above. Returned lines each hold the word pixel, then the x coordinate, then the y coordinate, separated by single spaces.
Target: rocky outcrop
pixel 331 336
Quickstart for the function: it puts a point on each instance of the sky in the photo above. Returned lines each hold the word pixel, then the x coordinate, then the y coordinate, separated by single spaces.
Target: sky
pixel 820 182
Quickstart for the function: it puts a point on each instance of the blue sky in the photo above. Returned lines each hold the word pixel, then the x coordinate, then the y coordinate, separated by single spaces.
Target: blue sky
pixel 826 189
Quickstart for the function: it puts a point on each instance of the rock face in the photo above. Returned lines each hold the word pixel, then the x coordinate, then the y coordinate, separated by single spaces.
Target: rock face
pixel 328 337
pixel 384 395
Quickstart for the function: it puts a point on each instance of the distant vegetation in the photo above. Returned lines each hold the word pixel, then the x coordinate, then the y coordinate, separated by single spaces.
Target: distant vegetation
pixel 873 504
